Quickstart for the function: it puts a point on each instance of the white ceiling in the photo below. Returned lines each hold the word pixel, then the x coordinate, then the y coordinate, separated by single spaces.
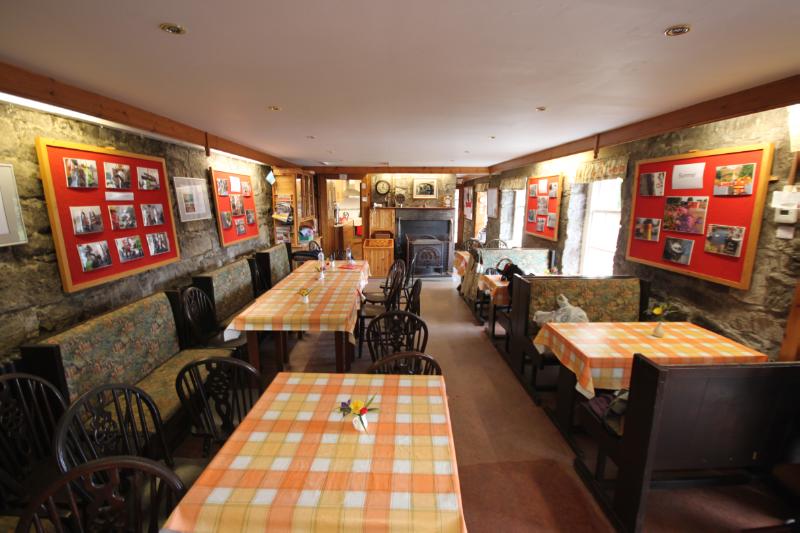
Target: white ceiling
pixel 412 82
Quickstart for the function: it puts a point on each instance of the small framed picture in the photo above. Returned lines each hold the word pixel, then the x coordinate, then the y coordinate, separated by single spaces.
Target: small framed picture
pixel 241 229
pixel 81 173
pixel 725 240
pixel 652 183
pixel 531 215
pixel 118 176
pixel 86 219
pixel 686 214
pixel 532 190
pixel 553 191
pixel 647 229
pixel 152 214
pixel 678 250
pixel 542 203
pixel 193 201
pixel 250 215
pixel 148 179
pixel 237 205
pixel 94 255
pixel 426 188
pixel 734 180
pixel 247 189
pixel 129 248
pixel 122 217
pixel 540 223
pixel 223 187
pixel 158 243
pixel 551 220
pixel 543 186
pixel 227 219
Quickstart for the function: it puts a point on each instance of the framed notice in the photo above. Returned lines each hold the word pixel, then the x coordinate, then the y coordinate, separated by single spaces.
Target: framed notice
pixel 12 227
pixel 700 213
pixel 110 212
pixel 193 200
pixel 543 207
pixel 236 207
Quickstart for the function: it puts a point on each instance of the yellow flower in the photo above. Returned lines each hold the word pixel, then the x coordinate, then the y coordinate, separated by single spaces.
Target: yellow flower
pixel 658 310
pixel 356 405
pixel 304 292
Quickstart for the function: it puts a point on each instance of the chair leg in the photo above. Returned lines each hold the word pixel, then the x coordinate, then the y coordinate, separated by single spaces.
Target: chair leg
pixel 361 334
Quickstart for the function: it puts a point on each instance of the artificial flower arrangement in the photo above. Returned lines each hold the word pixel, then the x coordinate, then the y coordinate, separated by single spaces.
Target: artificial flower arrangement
pixel 659 312
pixel 359 410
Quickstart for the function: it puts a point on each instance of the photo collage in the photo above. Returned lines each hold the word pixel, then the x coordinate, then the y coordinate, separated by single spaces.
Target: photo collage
pixel 233 192
pixel 687 214
pixel 542 215
pixel 118 186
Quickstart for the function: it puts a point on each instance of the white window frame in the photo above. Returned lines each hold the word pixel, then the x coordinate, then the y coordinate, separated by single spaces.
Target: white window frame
pixel 587 218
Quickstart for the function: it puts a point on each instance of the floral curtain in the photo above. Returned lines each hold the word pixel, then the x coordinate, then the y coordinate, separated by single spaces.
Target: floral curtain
pixel 515 183
pixel 602 169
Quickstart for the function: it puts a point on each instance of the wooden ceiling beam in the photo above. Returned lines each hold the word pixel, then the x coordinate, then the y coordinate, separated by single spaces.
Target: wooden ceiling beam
pixel 26 84
pixel 779 93
pixel 398 170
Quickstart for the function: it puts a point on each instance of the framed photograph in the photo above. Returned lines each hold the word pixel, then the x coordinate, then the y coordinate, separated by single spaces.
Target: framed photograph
pixel 686 214
pixel 647 229
pixel 725 240
pixel 157 243
pixel 193 201
pixel 12 227
pixel 122 217
pixel 129 248
pixel 542 205
pixel 540 223
pixel 553 191
pixel 531 215
pixel 149 179
pixel 81 173
pixel 94 255
pixel 118 176
pixel 241 229
pixel 223 187
pixel 237 205
pixel 86 219
pixel 678 250
pixel 652 183
pixel 533 189
pixel 734 180
pixel 227 219
pixel 426 188
pixel 250 215
pixel 552 220
pixel 247 189
pixel 152 214
pixel 492 202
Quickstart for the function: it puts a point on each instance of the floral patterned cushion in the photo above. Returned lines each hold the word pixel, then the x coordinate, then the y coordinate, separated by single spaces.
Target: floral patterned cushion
pixel 603 300
pixel 469 283
pixel 233 288
pixel 278 263
pixel 529 260
pixel 160 383
pixel 118 347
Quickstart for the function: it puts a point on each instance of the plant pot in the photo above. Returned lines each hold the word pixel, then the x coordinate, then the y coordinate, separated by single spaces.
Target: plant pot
pixel 358 426
pixel 658 331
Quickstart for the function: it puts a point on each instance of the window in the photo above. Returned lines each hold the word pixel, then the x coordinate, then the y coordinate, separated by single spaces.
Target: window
pixel 512 217
pixel 601 227
pixel 480 217
pixel 519 219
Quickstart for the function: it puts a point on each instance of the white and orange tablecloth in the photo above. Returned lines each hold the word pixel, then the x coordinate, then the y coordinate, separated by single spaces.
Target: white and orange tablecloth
pixel 293 464
pixel 497 287
pixel 310 280
pixel 601 353
pixel 460 262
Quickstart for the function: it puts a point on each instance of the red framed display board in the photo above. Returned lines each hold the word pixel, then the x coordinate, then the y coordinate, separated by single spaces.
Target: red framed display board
pixel 543 207
pixel 236 207
pixel 110 212
pixel 700 213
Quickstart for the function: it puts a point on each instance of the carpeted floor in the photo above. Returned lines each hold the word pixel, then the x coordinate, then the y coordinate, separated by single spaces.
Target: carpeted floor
pixel 515 469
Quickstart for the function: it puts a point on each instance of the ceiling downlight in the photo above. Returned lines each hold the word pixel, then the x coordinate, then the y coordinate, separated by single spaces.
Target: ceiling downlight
pixel 172 28
pixel 677 29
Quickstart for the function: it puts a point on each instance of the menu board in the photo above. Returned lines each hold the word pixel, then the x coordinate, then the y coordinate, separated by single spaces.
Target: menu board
pixel 543 207
pixel 110 212
pixel 236 207
pixel 700 213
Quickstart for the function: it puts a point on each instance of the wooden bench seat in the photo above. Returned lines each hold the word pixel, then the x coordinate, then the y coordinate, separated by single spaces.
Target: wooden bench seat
pixel 231 288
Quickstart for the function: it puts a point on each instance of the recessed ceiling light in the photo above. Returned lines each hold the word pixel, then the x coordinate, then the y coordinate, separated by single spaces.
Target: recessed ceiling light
pixel 492 137
pixel 172 28
pixel 677 29
pixel 466 151
pixel 310 137
pixel 273 108
pixel 541 108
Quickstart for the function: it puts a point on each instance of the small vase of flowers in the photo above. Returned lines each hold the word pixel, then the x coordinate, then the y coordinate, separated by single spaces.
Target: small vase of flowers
pixel 659 312
pixel 358 409
pixel 304 295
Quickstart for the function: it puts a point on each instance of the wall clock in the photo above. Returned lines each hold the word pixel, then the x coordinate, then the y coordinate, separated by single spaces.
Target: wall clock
pixel 382 187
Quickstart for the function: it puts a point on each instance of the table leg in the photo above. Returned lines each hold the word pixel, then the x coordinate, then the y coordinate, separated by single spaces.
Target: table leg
pixel 253 352
pixel 339 341
pixel 492 320
pixel 565 399
pixel 349 352
pixel 280 349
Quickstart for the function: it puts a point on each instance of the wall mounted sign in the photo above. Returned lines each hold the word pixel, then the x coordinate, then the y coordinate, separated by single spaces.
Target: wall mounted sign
pixel 543 207
pixel 236 207
pixel 12 227
pixel 700 213
pixel 468 203
pixel 110 212
pixel 193 200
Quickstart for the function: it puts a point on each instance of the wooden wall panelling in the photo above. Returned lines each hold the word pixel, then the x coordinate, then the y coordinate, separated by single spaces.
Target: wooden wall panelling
pixel 381 219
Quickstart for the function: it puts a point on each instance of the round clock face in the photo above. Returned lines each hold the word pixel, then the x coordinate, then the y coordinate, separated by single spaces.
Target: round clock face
pixel 382 187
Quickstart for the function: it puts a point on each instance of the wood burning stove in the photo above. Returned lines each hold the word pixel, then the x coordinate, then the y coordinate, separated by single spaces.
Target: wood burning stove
pixel 430 253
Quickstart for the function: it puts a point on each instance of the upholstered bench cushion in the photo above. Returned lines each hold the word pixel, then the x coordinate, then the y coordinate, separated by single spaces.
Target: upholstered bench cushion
pixel 603 299
pixel 278 263
pixel 529 260
pixel 118 347
pixel 233 288
pixel 160 383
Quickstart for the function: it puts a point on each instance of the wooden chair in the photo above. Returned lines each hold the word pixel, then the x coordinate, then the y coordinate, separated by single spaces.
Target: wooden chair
pixel 29 411
pixel 407 363
pixel 375 305
pixel 198 310
pixel 726 422
pixel 218 393
pixel 398 268
pixel 496 243
pixel 396 331
pixel 111 494
pixel 413 302
pixel 111 420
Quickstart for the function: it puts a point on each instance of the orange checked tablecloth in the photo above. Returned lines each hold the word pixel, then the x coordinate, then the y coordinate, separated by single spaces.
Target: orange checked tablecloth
pixel 601 353
pixel 356 267
pixel 497 287
pixel 460 262
pixel 310 280
pixel 293 464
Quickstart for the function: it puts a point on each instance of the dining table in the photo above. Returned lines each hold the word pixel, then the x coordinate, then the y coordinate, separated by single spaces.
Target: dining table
pixel 332 304
pixel 599 355
pixel 296 464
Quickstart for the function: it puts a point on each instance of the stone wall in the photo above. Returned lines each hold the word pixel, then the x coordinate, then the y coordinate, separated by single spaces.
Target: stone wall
pixel 756 317
pixel 33 302
pixel 403 183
